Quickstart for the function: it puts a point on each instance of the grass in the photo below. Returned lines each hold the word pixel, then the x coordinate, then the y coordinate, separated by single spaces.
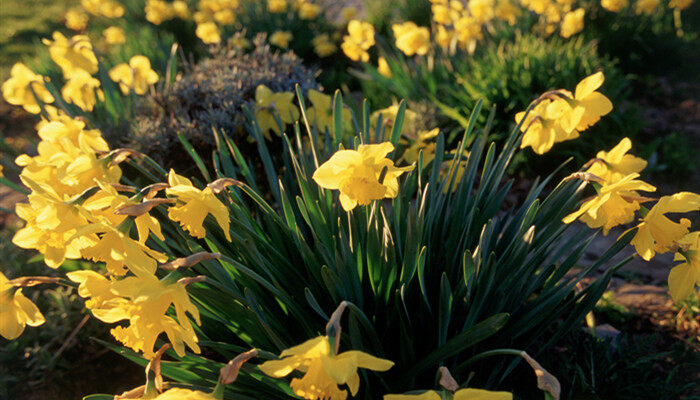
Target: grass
pixel 24 22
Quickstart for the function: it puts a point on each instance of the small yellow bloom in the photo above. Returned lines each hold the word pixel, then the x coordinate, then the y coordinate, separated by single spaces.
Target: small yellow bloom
pixel 114 35
pixel 685 276
pixel 468 32
pixel 208 32
pixel 613 205
pixel 444 37
pixel 348 13
pixel 158 11
pixel 359 39
pixel 24 87
pixel 658 234
pixel 614 5
pixel 323 46
pixel 461 394
pixel 72 54
pixel 105 8
pixel 281 39
pixel 180 9
pixel 82 90
pixel 309 10
pixel 411 39
pixel 267 102
pixel 323 370
pixel 16 311
pixel 680 4
pixel 137 75
pixel 481 10
pixel 277 6
pixel 647 7
pixel 572 23
pixel 383 67
pixel 321 113
pixel 507 11
pixel 194 205
pixel 422 142
pixel 356 173
pixel 616 164
pixel 76 19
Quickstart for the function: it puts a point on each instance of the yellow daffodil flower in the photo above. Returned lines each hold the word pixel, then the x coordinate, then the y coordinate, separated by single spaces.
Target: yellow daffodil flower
pixel 359 39
pixel 76 19
pixel 93 286
pixel 613 205
pixel 137 75
pixel 614 5
pixel 585 108
pixel 194 205
pixel 322 112
pixel 421 142
pixel 481 10
pixel 356 174
pixel 572 23
pixel 411 39
pixel 542 127
pixel 105 8
pixel 158 11
pixel 72 54
pixel 461 394
pixel 616 164
pixel 114 35
pixel 323 46
pixel 309 10
pixel 507 11
pixel 82 90
pixel 323 370
pixel 277 6
pixel 468 31
pixel 388 115
pixel 267 102
pixel 684 277
pixel 24 87
pixel 281 39
pixel 647 7
pixel 658 234
pixel 180 9
pixel 16 311
pixel 383 67
pixel 208 32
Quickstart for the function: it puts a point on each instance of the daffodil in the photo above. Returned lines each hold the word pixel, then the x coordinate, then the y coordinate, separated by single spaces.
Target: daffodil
pixel 685 276
pixel 105 8
pixel 585 107
pixel 82 90
pixel 194 205
pixel 615 164
pixel 421 142
pixel 481 10
pixel 184 394
pixel 614 5
pixel 658 234
pixel 277 6
pixel 267 102
pixel 572 23
pixel 468 31
pixel 323 370
pixel 76 19
pixel 114 35
pixel 680 4
pixel 208 32
pixel 16 311
pixel 507 11
pixel 461 394
pixel 309 10
pixel 542 127
pixel 281 39
pixel 72 54
pixel 323 46
pixel 158 11
pixel 356 174
pixel 359 39
pixel 322 112
pixel 613 205
pixel 411 39
pixel 383 67
pixel 388 116
pixel 24 88
pixel 137 75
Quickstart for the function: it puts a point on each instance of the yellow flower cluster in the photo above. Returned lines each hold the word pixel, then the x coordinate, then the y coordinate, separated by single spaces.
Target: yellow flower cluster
pixel 359 39
pixel 158 11
pixel 136 76
pixel 411 39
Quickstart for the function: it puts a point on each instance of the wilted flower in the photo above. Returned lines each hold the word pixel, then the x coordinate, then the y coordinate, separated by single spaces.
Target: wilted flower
pixel 361 175
pixel 572 23
pixel 411 39
pixel 613 205
pixel 685 276
pixel 658 234
pixel 82 90
pixel 72 54
pixel 266 101
pixel 114 35
pixel 16 311
pixel 323 370
pixel 281 38
pixel 24 87
pixel 137 75
pixel 208 32
pixel 359 39
pixel 615 164
pixel 194 205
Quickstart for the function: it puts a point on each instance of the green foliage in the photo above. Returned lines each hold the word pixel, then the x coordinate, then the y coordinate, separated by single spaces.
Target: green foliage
pixel 439 274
